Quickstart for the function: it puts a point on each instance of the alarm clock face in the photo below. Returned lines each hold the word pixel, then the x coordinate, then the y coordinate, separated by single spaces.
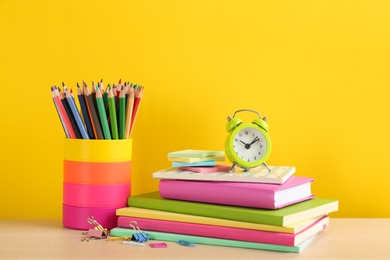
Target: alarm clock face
pixel 250 145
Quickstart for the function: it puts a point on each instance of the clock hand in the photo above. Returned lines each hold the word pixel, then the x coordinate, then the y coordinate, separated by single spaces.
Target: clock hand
pixel 247 146
pixel 254 140
pixel 243 143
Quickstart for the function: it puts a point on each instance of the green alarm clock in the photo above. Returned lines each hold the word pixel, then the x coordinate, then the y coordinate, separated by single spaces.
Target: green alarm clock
pixel 247 145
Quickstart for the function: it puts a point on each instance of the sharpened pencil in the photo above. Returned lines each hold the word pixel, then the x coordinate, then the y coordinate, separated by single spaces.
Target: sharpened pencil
pixel 70 114
pixel 129 111
pixel 113 118
pixel 75 112
pixel 84 111
pixel 103 115
pixel 96 126
pixel 122 114
pixel 66 125
pixel 137 102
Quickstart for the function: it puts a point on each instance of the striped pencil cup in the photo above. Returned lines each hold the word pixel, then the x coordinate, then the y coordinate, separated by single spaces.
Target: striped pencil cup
pixel 97 181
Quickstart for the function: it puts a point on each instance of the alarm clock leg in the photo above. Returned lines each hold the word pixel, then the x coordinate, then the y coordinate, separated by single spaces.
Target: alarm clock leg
pixel 233 167
pixel 266 166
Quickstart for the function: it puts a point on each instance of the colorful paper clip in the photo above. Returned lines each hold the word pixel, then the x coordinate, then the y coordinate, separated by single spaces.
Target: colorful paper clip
pixel 139 235
pixel 97 232
pixel 96 226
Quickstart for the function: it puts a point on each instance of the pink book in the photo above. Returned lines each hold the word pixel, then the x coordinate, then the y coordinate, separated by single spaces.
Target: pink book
pixel 206 169
pixel 254 195
pixel 249 235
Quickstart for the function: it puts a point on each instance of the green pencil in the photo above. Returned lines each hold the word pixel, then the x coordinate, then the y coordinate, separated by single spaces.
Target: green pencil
pixel 112 109
pixel 102 114
pixel 122 113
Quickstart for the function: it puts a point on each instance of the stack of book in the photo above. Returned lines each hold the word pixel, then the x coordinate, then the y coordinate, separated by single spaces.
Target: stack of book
pixel 208 204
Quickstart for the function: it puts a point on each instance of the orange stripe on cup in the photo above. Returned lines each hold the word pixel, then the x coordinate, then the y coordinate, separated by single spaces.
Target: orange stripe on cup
pixel 97 172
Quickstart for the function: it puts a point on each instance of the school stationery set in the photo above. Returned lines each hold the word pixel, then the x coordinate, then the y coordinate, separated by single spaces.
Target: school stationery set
pixel 97 151
pixel 273 210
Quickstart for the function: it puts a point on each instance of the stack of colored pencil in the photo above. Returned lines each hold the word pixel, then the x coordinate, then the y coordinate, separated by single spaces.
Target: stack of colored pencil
pixel 104 113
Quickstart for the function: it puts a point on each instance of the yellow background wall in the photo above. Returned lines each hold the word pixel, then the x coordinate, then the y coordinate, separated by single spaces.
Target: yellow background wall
pixel 319 70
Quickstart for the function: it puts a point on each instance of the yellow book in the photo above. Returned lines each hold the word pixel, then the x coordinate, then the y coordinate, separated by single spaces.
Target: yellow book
pixel 170 216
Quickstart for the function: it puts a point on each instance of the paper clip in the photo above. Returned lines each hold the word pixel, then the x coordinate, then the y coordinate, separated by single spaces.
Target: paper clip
pixel 97 232
pixel 139 235
pixel 96 226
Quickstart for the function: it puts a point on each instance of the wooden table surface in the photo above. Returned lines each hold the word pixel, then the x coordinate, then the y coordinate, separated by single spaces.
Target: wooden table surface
pixel 345 238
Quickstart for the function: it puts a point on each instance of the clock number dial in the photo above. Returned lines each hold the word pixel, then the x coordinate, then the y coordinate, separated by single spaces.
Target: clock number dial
pixel 250 145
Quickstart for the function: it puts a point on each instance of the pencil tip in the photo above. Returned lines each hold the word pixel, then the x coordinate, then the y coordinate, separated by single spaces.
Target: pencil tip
pixel 63 84
pixel 77 84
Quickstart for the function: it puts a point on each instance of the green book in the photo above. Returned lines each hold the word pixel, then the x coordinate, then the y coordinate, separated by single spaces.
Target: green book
pixel 163 236
pixel 194 153
pixel 277 217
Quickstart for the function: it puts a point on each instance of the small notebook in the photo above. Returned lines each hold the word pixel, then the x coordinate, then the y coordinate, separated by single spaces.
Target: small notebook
pixel 194 153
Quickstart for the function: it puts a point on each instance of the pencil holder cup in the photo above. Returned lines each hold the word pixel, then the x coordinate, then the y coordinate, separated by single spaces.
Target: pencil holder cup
pixel 97 181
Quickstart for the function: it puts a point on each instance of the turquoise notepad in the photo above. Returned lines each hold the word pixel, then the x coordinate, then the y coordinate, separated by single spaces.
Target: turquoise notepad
pixel 119 232
pixel 203 163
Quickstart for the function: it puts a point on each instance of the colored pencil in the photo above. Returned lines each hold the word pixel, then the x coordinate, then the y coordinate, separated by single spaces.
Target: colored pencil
pixel 70 114
pixel 96 126
pixel 100 113
pixel 84 111
pixel 122 114
pixel 75 113
pixel 118 89
pixel 103 115
pixel 137 101
pixel 69 132
pixel 129 111
pixel 113 119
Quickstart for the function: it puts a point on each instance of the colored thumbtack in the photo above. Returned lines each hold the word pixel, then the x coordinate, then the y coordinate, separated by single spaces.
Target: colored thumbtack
pixel 158 245
pixel 185 243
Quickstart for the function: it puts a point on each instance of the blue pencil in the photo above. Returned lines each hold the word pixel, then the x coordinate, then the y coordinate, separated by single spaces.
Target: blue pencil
pixel 75 113
pixel 84 110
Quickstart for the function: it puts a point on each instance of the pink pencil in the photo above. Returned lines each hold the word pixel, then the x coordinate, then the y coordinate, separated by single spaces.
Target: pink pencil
pixel 62 112
pixel 137 102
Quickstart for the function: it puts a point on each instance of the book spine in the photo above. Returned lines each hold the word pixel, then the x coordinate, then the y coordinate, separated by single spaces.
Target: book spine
pixel 236 194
